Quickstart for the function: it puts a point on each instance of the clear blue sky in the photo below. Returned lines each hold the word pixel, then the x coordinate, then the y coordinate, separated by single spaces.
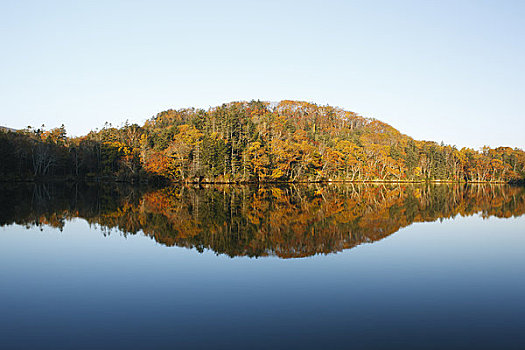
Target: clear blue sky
pixel 451 71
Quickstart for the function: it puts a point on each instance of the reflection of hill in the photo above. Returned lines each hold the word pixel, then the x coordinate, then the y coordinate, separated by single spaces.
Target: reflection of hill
pixel 289 221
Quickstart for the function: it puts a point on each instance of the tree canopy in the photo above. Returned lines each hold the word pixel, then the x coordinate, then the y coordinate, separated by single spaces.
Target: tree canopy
pixel 289 141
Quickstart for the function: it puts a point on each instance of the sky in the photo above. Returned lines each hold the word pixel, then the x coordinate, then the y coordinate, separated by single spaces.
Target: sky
pixel 451 71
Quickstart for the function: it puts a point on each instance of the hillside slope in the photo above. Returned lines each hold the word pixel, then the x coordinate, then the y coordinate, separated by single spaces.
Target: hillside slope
pixel 261 142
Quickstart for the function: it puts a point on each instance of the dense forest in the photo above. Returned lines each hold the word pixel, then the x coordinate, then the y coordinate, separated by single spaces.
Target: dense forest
pixel 286 221
pixel 255 141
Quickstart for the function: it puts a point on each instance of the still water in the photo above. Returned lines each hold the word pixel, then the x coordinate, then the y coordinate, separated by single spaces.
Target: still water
pixel 339 266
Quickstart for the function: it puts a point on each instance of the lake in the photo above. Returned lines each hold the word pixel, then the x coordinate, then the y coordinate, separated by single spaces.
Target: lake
pixel 301 266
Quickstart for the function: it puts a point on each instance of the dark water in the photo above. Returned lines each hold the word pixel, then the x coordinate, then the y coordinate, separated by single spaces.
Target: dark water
pixel 361 267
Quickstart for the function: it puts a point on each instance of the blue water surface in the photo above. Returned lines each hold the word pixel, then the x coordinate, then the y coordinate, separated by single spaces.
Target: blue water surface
pixel 455 284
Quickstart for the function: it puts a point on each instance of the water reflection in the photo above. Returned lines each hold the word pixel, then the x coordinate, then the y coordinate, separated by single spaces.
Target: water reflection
pixel 288 221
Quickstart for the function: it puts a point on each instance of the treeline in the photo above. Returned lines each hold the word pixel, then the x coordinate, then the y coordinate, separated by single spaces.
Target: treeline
pixel 253 142
pixel 286 221
pixel 36 153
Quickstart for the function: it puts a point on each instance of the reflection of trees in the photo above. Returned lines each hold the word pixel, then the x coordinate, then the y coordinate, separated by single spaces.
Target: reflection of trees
pixel 52 204
pixel 288 221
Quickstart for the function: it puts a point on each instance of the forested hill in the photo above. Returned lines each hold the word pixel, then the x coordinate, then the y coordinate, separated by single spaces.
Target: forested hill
pixel 252 142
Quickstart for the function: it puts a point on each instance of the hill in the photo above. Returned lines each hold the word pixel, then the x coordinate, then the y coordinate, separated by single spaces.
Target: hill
pixel 6 129
pixel 256 141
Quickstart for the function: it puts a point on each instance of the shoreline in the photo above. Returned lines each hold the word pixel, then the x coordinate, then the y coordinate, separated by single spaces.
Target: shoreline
pixel 164 183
